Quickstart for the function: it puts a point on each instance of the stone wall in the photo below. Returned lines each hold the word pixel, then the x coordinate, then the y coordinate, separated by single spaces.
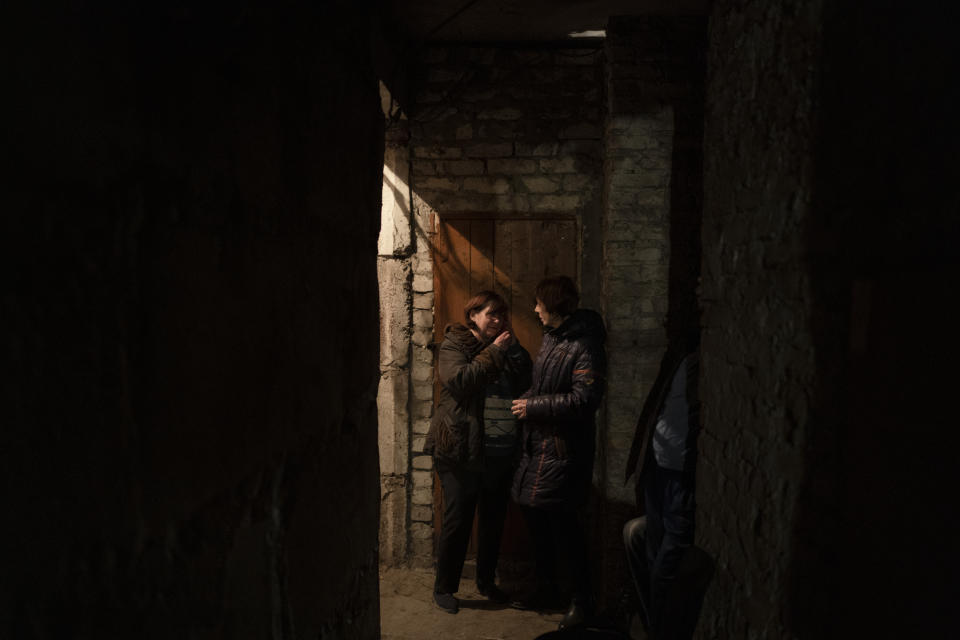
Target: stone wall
pixel 828 224
pixel 190 324
pixel 757 360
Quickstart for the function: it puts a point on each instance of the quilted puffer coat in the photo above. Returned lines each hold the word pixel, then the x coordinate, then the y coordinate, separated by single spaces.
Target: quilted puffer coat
pixel 465 366
pixel 557 440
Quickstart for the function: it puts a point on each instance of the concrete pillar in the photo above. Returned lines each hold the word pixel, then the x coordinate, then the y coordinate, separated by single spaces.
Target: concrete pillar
pixel 394 247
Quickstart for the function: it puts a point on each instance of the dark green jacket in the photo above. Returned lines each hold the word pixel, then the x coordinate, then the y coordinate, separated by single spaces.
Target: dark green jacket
pixel 465 366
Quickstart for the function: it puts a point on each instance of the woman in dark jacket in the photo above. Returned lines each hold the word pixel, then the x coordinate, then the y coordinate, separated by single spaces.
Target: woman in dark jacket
pixel 472 437
pixel 557 442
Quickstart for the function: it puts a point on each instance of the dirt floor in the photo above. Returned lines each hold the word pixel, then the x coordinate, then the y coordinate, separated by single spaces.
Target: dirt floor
pixel 407 612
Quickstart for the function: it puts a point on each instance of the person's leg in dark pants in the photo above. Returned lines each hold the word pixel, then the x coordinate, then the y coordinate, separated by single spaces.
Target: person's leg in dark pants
pixel 635 544
pixel 686 597
pixel 572 543
pixel 653 504
pixel 545 563
pixel 491 512
pixel 460 489
pixel 670 523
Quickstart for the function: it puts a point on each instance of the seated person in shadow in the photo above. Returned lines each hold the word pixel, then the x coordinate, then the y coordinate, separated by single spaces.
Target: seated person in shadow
pixel 670 574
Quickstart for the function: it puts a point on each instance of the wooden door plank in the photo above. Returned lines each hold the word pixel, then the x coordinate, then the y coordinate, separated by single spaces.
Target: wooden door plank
pixel 548 231
pixel 560 243
pixel 564 261
pixel 503 260
pixel 451 270
pixel 481 255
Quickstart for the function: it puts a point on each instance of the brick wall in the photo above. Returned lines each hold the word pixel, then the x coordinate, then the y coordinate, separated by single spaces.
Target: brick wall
pixel 652 183
pixel 508 131
pixel 652 206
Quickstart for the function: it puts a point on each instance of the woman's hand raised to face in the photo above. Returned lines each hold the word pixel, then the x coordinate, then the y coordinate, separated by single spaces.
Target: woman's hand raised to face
pixel 504 340
pixel 506 330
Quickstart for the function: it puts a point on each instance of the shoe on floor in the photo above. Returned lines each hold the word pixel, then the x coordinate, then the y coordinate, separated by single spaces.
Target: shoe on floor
pixel 447 602
pixel 577 614
pixel 493 593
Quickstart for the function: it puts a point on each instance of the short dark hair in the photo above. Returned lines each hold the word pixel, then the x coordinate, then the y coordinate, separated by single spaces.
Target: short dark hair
pixel 558 295
pixel 480 301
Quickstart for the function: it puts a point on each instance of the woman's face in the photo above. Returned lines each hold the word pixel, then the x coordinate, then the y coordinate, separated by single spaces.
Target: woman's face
pixel 545 316
pixel 489 323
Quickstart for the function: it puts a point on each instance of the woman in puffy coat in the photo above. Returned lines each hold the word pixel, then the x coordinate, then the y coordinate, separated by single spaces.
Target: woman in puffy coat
pixel 557 441
pixel 473 439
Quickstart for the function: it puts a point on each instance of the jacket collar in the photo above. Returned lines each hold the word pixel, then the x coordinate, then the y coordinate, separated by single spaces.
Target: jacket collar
pixel 463 338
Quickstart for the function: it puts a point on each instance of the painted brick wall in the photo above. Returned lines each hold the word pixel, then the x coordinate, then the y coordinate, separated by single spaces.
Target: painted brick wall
pixel 508 131
pixel 652 205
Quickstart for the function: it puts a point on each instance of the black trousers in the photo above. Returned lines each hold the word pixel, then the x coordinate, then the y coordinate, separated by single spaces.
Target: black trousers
pixel 554 534
pixel 465 492
pixel 671 575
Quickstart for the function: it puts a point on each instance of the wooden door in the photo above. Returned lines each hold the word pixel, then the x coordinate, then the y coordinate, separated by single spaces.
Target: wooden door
pixel 509 256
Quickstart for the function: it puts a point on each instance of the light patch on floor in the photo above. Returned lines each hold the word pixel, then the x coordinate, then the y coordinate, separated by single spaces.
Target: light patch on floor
pixel 407 612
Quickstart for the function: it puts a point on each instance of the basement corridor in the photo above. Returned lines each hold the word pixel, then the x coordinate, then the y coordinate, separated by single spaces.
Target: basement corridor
pixel 229 229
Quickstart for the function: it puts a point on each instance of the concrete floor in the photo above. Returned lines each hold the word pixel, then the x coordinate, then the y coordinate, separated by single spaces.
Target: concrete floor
pixel 407 612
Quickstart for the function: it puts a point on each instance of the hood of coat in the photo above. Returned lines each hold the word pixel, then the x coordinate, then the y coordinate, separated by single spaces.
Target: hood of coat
pixel 583 322
pixel 461 336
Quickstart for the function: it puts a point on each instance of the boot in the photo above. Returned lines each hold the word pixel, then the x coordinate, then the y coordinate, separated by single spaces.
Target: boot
pixel 578 613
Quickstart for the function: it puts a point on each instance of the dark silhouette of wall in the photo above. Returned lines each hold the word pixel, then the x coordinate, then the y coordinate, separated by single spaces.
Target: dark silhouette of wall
pixel 830 223
pixel 190 214
pixel 875 512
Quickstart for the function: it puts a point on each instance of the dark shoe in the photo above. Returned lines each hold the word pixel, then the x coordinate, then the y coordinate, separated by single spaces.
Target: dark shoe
pixel 447 602
pixel 493 593
pixel 578 613
pixel 543 599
